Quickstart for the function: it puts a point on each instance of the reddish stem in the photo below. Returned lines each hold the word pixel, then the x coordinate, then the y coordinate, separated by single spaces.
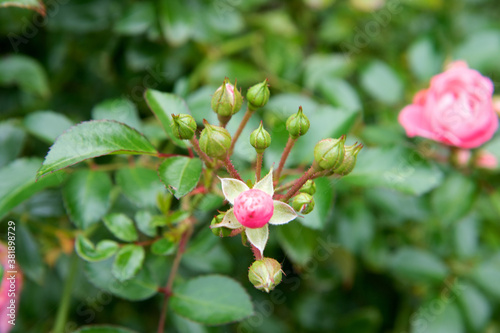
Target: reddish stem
pixel 258 166
pixel 244 121
pixel 289 145
pixel 196 146
pixel 231 169
pixel 298 184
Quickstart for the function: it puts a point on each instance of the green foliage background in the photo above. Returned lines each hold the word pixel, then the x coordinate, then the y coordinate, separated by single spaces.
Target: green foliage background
pixel 406 243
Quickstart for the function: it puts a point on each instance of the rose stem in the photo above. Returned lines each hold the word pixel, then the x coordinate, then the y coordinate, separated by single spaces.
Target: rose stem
pixel 242 125
pixel 298 184
pixel 289 145
pixel 231 169
pixel 196 146
pixel 258 166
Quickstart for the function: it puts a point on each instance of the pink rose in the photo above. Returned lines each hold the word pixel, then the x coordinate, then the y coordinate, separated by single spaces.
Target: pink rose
pixel 486 160
pixel 456 110
pixel 5 290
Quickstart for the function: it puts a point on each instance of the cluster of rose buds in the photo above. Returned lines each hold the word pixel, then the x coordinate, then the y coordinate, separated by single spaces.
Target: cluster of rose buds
pixel 256 204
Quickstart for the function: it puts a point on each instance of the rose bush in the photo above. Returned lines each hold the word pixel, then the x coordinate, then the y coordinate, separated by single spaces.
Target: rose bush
pixel 457 109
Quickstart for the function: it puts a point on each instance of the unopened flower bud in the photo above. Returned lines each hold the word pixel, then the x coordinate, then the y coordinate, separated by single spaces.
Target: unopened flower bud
pixel 214 140
pixel 260 139
pixel 258 95
pixel 297 124
pixel 183 126
pixel 329 153
pixel 303 203
pixel 309 187
pixel 265 274
pixel 349 162
pixel 226 101
pixel 221 231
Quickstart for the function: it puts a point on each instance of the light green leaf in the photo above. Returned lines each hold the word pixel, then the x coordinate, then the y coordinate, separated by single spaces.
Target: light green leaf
pixel 87 197
pixel 121 226
pixel 17 182
pixel 321 66
pixel 145 222
pixel 211 300
pixel 382 83
pixel 487 274
pixel 258 237
pixel 447 319
pixel 137 19
pixel 163 105
pixel 24 71
pixel 11 142
pixel 340 94
pixel 119 109
pixel 488 42
pixel 394 168
pixel 91 139
pixel 103 329
pixel 417 265
pixel 163 247
pixel 180 174
pixel 232 188
pixel 87 251
pixel 282 214
pixel 47 125
pixel 176 22
pixel 140 287
pixel 466 236
pixel 423 59
pixel 128 262
pixel 475 307
pixel 140 185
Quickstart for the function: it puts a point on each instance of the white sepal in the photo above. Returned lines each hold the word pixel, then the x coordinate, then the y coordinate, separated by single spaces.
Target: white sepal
pixel 282 214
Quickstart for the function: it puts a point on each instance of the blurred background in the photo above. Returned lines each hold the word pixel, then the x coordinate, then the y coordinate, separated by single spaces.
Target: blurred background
pixel 406 243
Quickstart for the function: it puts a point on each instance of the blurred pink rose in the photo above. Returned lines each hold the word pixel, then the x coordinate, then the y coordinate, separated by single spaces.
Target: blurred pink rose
pixel 486 160
pixel 10 289
pixel 456 110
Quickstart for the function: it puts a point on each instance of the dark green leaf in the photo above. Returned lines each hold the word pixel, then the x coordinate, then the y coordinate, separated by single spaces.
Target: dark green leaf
pixel 24 71
pixel 128 262
pixel 47 125
pixel 163 105
pixel 211 300
pixel 297 241
pixel 87 197
pixel 140 185
pixel 11 142
pixel 17 182
pixel 180 174
pixel 417 265
pixel 137 19
pixel 140 287
pixel 121 226
pixel 87 251
pixel 103 329
pixel 28 254
pixel 120 109
pixel 91 139
pixel 323 199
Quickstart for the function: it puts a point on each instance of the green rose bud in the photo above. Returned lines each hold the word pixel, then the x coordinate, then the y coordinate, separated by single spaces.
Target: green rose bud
pixel 214 140
pixel 183 126
pixel 221 231
pixel 303 203
pixel 309 187
pixel 226 101
pixel 349 162
pixel 258 95
pixel 260 139
pixel 265 274
pixel 329 153
pixel 297 124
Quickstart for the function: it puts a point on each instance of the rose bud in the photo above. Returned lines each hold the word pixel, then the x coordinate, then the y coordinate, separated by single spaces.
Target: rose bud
pixel 309 187
pixel 214 140
pixel 226 101
pixel 297 124
pixel 258 95
pixel 329 153
pixel 349 162
pixel 220 231
pixel 260 139
pixel 303 203
pixel 183 126
pixel 265 274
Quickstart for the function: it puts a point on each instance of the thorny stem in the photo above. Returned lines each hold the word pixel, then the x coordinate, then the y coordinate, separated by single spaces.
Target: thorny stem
pixel 231 169
pixel 173 272
pixel 256 252
pixel 289 145
pixel 242 125
pixel 258 166
pixel 196 146
pixel 285 186
pixel 298 184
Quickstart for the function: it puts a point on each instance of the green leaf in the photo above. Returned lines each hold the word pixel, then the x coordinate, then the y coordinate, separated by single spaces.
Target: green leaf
pixel 140 185
pixel 138 17
pixel 382 83
pixel 423 59
pixel 356 227
pixel 447 319
pixel 486 276
pixel 323 199
pixel 87 197
pixel 28 254
pixel 454 198
pixel 163 105
pixel 128 262
pixel 466 236
pixel 121 226
pixel 207 255
pixel 140 287
pixel 103 329
pixel 417 265
pixel 17 182
pixel 11 142
pixel 211 300
pixel 87 251
pixel 297 241
pixel 176 22
pixel 321 66
pixel 24 71
pixel 163 247
pixel 394 168
pixel 91 139
pixel 180 174
pixel 488 42
pixel 475 307
pixel 119 109
pixel 340 94
pixel 145 222
pixel 47 125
